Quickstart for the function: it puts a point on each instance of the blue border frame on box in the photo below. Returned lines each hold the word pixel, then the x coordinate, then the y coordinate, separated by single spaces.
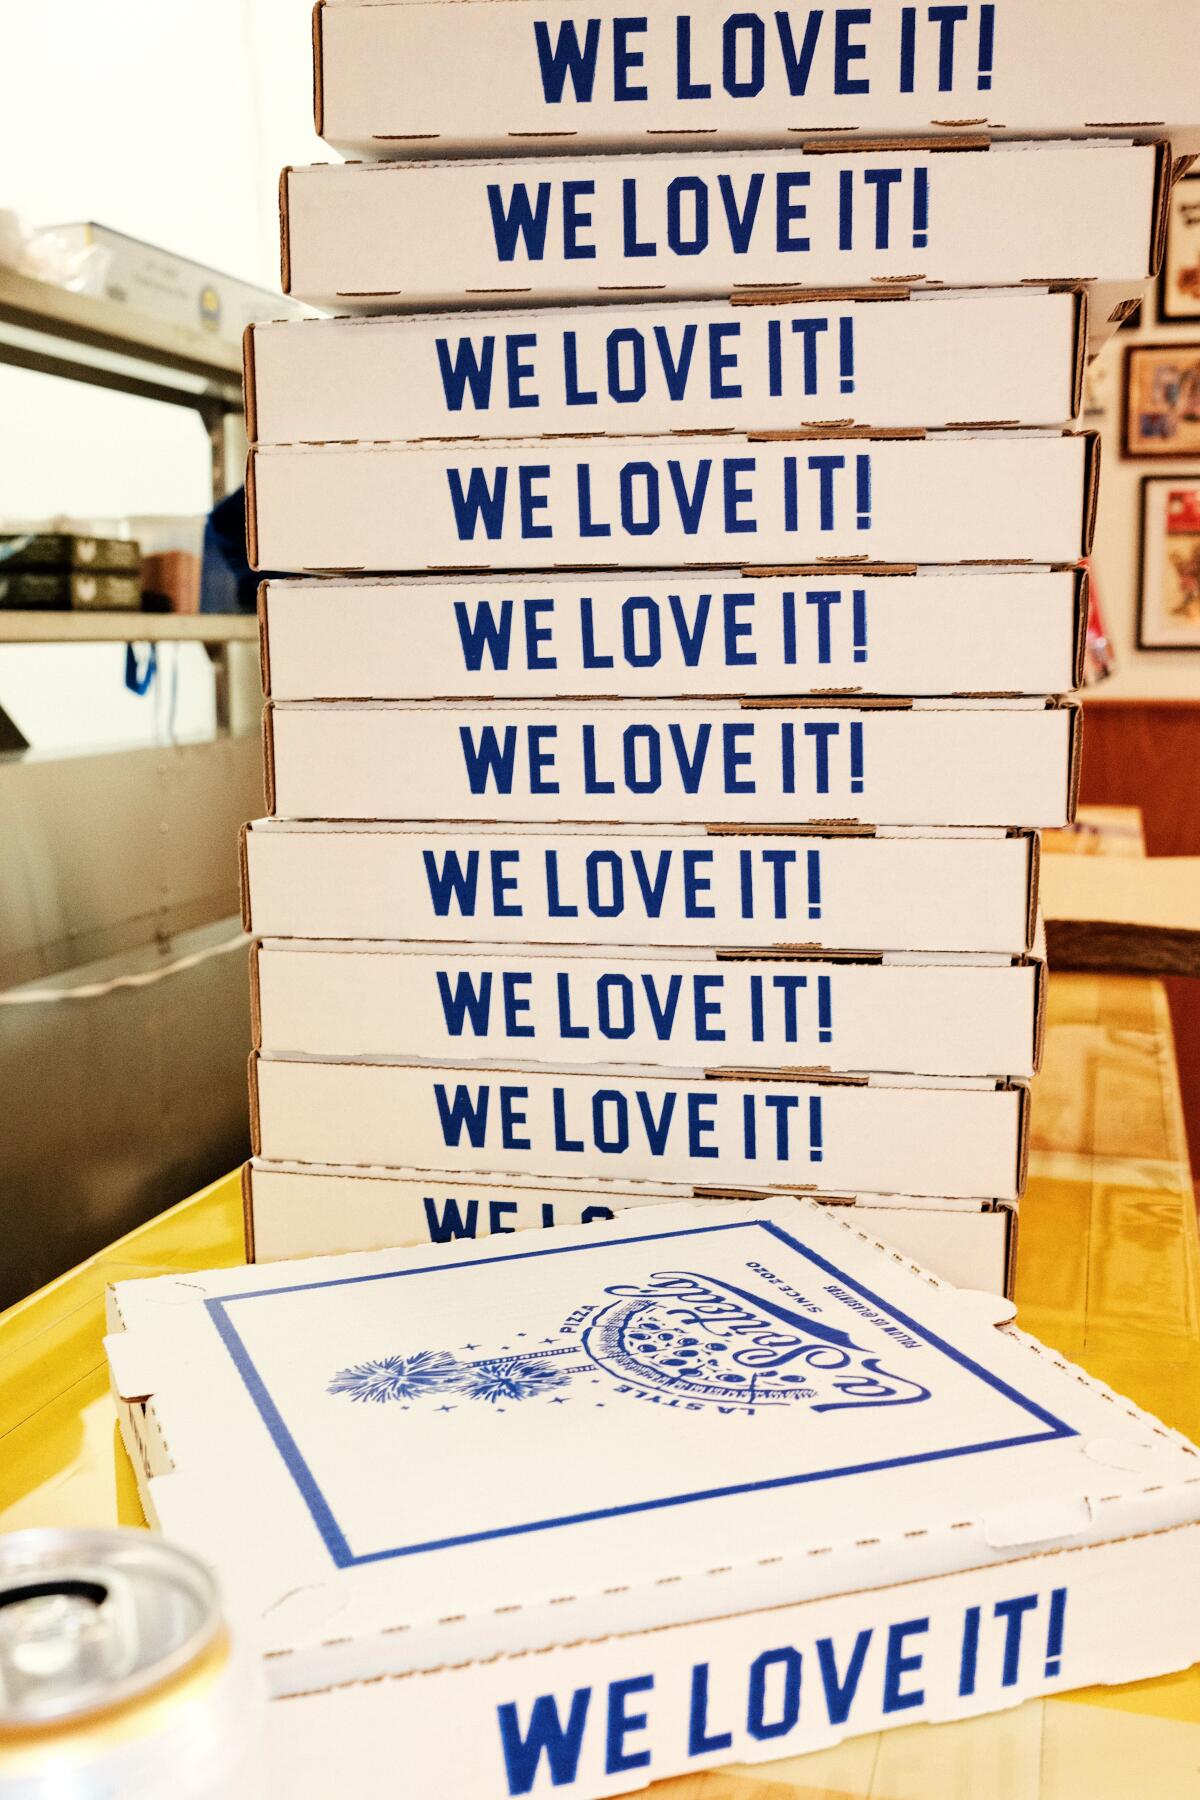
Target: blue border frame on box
pixel 334 1538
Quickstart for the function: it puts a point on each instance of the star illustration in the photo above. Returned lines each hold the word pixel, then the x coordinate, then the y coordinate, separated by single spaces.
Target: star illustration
pixel 445 1409
pixel 558 1400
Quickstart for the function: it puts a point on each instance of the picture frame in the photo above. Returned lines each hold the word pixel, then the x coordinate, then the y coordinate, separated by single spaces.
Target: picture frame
pixel 1168 615
pixel 1179 280
pixel 1161 401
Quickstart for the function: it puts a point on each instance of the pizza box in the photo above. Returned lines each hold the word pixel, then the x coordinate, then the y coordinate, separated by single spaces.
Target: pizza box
pixel 746 888
pixel 299 1209
pixel 728 1009
pixel 708 224
pixel 828 1496
pixel 885 1134
pixel 532 503
pixel 912 357
pixel 443 77
pixel 656 635
pixel 918 762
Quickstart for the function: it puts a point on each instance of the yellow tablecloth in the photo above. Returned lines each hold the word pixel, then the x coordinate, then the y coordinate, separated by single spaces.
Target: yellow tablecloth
pixel 1108 1272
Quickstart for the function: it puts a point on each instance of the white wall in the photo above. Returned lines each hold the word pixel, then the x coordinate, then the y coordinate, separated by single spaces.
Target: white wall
pixel 168 120
pixel 1140 674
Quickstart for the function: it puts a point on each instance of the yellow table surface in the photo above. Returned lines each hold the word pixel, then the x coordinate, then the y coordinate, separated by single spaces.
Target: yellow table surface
pixel 1108 1272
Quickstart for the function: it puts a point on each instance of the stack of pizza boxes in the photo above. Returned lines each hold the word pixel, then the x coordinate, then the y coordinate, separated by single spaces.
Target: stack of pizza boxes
pixel 686 519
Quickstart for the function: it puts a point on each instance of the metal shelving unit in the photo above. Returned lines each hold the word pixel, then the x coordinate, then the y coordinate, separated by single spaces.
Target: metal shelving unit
pixel 35 627
pixel 79 337
pixel 109 859
pixel 82 338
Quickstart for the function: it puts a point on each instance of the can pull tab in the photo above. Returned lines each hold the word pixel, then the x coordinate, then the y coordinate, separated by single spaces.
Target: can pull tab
pixel 92 1619
pixel 56 1633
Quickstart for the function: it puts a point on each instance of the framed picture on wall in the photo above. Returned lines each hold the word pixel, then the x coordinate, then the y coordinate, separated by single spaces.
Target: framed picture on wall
pixel 1169 587
pixel 1162 400
pixel 1179 283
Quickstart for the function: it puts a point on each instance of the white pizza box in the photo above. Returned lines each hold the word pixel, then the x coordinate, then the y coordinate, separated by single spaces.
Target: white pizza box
pixel 305 1209
pixel 415 236
pixel 884 1134
pixel 896 1011
pixel 942 497
pixel 654 634
pixel 919 762
pixel 408 79
pixel 921 357
pixel 828 1495
pixel 897 888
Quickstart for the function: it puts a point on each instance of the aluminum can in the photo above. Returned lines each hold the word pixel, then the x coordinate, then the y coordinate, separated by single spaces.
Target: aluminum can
pixel 118 1677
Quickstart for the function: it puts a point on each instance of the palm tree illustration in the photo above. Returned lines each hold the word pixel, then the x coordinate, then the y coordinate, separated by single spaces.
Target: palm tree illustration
pixel 426 1373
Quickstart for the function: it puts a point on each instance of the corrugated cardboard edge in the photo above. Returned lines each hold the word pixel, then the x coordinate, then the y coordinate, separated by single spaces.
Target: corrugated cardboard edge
pixel 1164 176
pixel 1021 1089
pixel 1081 343
pixel 248 1212
pixel 1083 589
pixel 251 511
pixel 285 242
pixel 1012 1213
pixel 256 1031
pixel 269 757
pixel 788 296
pixel 1034 843
pixel 264 645
pixel 1075 760
pixel 255 1122
pixel 1091 487
pixel 318 68
pixel 838 145
pixel 244 876
pixel 1039 1014
pixel 249 391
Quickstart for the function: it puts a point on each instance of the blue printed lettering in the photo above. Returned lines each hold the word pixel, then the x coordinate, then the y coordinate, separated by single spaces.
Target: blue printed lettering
pixel 451 1223
pixel 462 1113
pixel 451 885
pixel 465 1002
pixel 567 58
pixel 897 1665
pixel 787 1662
pixel 478 503
pixel 470 368
pixel 621 1722
pixel 519 220
pixel 484 634
pixel 626 59
pixel 841 1689
pixel 546 1736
